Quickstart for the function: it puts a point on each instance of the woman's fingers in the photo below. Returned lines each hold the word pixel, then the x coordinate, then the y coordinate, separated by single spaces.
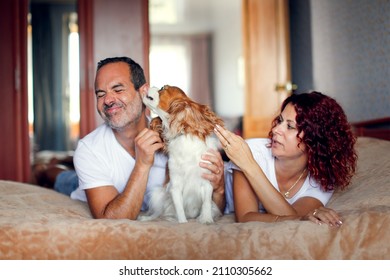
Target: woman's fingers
pixel 325 215
pixel 225 136
pixel 221 134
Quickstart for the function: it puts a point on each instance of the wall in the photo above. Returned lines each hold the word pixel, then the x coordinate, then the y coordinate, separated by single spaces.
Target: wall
pixel 221 19
pixel 350 54
pixel 227 50
pixel 120 28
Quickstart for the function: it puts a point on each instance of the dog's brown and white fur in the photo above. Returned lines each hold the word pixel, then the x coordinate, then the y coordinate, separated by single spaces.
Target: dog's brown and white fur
pixel 186 128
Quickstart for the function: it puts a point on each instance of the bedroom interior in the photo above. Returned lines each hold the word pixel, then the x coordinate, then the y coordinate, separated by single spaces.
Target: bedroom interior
pixel 343 55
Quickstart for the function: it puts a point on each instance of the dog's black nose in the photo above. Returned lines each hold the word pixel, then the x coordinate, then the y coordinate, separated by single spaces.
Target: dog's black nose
pixel 149 97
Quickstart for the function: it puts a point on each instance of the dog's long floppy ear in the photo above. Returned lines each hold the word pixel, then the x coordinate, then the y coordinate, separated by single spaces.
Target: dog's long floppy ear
pixel 211 117
pixel 179 115
pixel 156 125
pixel 188 116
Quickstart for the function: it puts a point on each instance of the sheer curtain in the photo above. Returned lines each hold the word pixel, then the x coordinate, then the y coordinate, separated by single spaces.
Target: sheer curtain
pixel 183 61
pixel 50 76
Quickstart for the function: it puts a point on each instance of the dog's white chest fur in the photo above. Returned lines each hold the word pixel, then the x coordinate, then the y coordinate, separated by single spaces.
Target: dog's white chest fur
pixel 185 153
pixel 187 195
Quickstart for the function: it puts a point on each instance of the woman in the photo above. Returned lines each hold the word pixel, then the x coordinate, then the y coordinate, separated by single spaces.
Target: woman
pixel 293 174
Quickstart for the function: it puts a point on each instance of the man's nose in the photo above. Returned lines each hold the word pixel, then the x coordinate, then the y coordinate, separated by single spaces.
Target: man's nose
pixel 109 98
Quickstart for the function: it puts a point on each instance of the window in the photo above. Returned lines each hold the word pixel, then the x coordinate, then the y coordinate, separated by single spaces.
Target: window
pixel 169 64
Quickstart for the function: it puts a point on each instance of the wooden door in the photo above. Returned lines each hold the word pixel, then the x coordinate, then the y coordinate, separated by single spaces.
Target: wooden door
pixel 267 63
pixel 14 147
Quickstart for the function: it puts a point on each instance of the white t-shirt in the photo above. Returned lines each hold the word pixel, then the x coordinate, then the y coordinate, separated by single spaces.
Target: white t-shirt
pixel 264 158
pixel 101 161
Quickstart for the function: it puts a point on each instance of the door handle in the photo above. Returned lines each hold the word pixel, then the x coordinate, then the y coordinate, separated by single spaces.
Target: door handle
pixel 286 87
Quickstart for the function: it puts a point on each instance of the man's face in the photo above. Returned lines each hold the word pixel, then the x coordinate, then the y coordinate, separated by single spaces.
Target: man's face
pixel 118 103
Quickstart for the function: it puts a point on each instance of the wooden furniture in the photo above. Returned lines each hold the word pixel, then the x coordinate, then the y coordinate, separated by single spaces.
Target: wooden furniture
pixel 378 128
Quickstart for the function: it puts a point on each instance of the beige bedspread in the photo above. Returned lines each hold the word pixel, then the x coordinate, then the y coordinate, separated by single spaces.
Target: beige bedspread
pixel 38 223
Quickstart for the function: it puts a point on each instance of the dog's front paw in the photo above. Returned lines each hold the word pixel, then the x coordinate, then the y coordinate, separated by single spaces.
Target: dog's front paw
pixel 182 220
pixel 203 219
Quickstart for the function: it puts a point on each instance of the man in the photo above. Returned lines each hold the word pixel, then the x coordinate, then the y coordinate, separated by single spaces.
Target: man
pixel 118 162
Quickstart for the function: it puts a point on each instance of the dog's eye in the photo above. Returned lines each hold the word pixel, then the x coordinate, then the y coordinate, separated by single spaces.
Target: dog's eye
pixel 149 97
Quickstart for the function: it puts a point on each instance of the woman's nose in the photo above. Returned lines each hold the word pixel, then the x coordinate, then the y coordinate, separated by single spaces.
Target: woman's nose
pixel 277 129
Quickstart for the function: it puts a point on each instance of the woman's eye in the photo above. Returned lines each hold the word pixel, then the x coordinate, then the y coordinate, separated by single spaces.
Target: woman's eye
pixel 290 126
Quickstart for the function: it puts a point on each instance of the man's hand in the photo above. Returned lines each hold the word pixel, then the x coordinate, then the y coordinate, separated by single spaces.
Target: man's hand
pixel 147 143
pixel 212 161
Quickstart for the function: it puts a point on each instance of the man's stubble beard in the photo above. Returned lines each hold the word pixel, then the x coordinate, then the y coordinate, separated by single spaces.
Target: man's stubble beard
pixel 127 118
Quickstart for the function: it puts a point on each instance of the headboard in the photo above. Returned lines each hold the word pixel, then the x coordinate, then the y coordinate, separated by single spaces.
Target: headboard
pixel 377 128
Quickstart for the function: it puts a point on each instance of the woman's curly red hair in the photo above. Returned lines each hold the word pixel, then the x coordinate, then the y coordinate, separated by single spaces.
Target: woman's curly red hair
pixel 328 138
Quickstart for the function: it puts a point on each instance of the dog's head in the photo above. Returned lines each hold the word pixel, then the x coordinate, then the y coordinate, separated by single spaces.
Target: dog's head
pixel 180 114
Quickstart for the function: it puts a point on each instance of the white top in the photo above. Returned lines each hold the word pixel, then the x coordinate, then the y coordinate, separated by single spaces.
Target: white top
pixel 101 161
pixel 264 158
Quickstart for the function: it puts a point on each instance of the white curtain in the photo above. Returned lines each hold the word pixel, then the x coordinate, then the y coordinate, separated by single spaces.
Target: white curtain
pixel 183 61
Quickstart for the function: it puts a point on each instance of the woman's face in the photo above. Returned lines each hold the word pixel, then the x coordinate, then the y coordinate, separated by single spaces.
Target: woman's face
pixel 284 139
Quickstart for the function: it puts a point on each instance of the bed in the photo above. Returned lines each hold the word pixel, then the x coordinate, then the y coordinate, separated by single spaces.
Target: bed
pixel 39 223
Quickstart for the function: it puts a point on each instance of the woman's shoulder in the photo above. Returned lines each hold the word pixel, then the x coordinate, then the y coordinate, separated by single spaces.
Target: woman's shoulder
pixel 259 148
pixel 258 143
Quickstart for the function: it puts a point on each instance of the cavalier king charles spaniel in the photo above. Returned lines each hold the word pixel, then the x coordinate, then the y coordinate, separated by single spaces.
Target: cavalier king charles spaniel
pixel 186 128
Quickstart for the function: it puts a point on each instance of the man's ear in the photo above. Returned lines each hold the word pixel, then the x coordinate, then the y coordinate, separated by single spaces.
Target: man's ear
pixel 143 90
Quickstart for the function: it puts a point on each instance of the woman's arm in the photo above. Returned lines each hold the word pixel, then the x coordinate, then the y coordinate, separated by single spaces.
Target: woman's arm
pixel 246 203
pixel 306 208
pixel 239 152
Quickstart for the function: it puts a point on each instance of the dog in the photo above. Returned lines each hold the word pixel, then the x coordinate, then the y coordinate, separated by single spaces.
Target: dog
pixel 186 129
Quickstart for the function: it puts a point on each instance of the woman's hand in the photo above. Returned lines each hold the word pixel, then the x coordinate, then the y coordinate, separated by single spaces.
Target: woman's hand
pixel 235 147
pixel 324 215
